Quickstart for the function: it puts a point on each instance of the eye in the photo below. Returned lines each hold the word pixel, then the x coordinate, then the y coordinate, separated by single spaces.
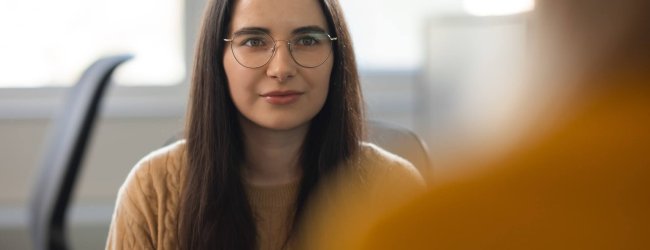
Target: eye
pixel 253 42
pixel 307 41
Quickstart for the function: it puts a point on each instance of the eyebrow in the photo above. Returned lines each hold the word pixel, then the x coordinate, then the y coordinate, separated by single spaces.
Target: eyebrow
pixel 252 30
pixel 308 29
pixel 300 30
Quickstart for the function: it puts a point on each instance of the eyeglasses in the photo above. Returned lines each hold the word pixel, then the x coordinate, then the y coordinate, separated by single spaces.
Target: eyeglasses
pixel 255 49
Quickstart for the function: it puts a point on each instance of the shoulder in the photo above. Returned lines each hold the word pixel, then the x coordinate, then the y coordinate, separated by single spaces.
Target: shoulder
pixel 164 164
pixel 163 161
pixel 381 163
pixel 372 152
pixel 148 196
pixel 157 176
pixel 381 172
pixel 374 182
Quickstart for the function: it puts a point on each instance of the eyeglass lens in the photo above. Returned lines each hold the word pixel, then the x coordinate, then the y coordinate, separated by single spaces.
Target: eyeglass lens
pixel 254 50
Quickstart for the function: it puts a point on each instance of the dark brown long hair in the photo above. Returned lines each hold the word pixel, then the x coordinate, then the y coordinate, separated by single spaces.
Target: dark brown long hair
pixel 215 212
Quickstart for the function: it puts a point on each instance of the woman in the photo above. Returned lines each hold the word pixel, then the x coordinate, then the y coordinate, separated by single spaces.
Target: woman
pixel 275 107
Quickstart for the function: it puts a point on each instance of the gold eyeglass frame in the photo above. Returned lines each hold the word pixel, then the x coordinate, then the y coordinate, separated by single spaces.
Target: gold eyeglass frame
pixel 275 46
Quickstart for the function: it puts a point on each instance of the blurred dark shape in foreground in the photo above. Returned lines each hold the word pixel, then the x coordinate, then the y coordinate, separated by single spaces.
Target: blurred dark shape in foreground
pixel 578 179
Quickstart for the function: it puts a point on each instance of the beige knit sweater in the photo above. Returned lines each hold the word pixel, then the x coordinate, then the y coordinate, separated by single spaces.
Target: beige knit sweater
pixel 146 213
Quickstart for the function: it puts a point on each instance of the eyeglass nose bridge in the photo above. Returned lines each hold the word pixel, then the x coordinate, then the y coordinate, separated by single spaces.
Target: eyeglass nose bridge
pixel 275 48
pixel 287 42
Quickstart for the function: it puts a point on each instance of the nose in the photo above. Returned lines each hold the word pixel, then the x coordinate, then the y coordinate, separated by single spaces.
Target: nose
pixel 281 67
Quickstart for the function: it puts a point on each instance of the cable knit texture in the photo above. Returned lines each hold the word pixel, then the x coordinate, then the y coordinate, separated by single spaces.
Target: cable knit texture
pixel 147 209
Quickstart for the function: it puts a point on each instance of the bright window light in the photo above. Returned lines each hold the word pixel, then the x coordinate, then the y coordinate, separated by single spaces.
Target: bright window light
pixel 497 7
pixel 50 43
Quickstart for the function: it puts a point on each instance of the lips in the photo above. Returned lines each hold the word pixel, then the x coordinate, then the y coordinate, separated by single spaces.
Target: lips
pixel 281 97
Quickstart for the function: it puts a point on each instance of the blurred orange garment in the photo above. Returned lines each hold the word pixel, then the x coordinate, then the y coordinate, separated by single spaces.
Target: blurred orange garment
pixel 584 184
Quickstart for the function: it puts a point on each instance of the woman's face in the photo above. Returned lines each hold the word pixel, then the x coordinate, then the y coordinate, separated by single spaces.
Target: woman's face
pixel 281 95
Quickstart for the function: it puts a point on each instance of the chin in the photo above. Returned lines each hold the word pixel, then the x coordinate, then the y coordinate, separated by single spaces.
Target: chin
pixel 279 121
pixel 283 125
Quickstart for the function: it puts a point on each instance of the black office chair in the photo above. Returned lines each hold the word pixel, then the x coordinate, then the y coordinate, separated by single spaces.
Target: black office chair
pixel 64 153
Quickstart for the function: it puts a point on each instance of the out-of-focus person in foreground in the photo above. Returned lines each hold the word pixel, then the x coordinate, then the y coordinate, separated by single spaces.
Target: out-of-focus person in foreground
pixel 580 176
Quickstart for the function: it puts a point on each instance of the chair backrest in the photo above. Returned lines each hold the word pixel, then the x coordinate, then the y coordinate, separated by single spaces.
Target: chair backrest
pixel 64 153
pixel 402 142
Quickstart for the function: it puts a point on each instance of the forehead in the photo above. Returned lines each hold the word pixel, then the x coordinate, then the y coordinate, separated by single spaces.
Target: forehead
pixel 279 16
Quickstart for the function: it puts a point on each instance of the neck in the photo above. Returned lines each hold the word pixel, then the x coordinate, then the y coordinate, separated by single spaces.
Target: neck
pixel 272 156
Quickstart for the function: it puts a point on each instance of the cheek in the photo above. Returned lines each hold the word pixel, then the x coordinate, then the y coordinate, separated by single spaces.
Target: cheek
pixel 239 81
pixel 323 82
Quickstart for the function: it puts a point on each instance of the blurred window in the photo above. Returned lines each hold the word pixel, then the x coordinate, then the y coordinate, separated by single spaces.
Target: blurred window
pixel 389 34
pixel 49 43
